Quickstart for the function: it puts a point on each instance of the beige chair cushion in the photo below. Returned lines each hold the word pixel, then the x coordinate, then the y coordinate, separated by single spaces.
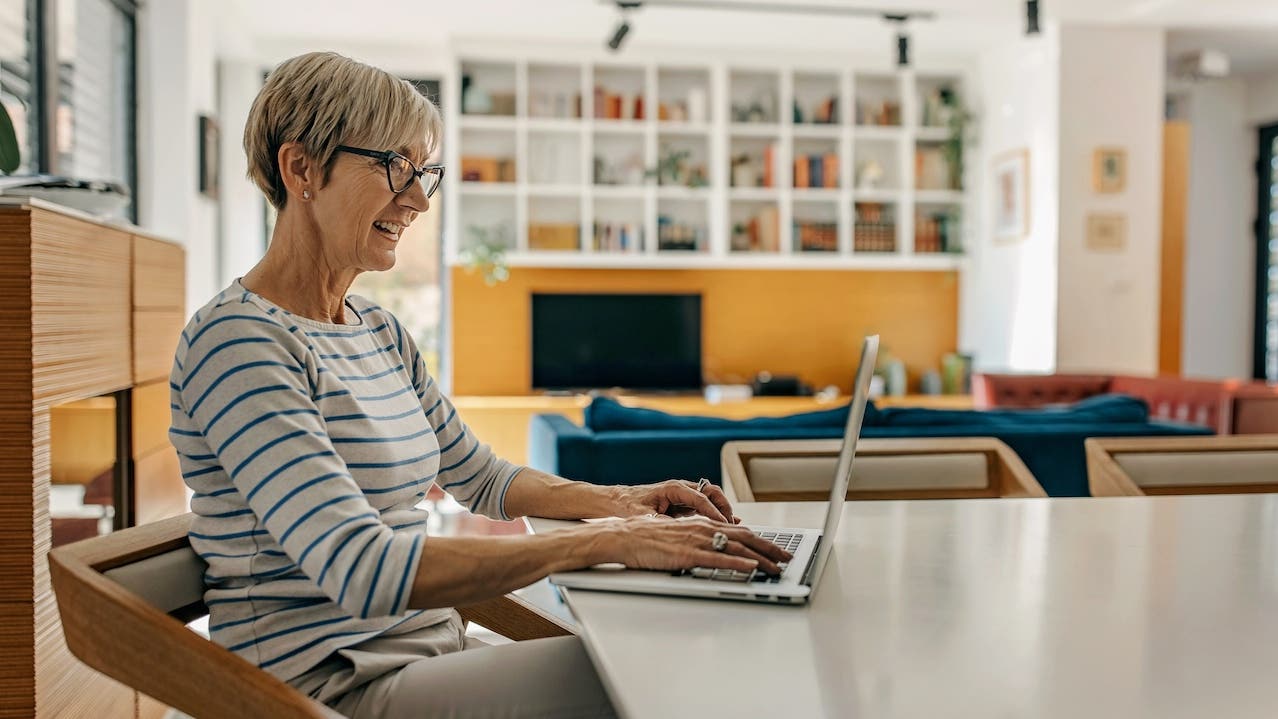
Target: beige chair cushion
pixel 921 471
pixel 166 581
pixel 1172 469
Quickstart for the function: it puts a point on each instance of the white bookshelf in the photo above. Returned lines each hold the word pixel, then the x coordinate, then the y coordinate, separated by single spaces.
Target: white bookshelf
pixel 552 170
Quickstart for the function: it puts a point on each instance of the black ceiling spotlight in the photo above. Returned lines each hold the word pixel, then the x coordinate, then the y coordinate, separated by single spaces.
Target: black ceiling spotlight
pixel 902 39
pixel 623 27
pixel 1031 17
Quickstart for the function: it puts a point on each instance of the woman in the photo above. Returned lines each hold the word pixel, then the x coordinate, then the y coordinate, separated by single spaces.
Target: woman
pixel 309 431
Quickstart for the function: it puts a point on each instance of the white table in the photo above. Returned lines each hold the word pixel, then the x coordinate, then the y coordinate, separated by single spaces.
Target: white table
pixel 1134 607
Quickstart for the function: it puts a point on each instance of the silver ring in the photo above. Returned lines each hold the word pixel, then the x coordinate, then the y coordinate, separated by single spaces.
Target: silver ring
pixel 719 541
pixel 701 485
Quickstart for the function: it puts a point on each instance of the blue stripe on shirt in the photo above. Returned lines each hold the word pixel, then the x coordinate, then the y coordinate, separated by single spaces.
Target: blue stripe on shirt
pixel 372 586
pixel 396 463
pixel 400 598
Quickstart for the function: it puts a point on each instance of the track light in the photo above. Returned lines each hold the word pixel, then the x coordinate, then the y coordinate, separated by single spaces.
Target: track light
pixel 902 39
pixel 1031 17
pixel 623 27
pixel 614 43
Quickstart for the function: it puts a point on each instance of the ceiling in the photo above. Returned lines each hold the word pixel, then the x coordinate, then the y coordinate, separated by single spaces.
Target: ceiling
pixel 961 26
pixel 1251 52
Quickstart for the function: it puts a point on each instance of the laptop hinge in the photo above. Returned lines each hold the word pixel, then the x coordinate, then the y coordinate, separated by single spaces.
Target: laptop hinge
pixel 811 559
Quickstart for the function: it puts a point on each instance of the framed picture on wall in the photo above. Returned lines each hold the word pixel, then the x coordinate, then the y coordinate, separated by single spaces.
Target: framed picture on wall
pixel 209 141
pixel 1011 196
pixel 1106 232
pixel 1109 169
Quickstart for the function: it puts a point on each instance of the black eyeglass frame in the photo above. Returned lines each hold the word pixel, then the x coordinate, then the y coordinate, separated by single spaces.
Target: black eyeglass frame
pixel 385 156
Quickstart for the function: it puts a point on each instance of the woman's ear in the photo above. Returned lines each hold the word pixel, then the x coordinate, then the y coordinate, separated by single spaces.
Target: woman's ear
pixel 299 173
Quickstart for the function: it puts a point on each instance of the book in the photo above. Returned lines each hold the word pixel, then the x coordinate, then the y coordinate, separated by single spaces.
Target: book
pixel 800 171
pixel 830 165
pixel 769 223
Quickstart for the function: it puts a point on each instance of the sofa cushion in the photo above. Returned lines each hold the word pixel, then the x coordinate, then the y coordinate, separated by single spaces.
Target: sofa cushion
pixel 1102 409
pixel 608 415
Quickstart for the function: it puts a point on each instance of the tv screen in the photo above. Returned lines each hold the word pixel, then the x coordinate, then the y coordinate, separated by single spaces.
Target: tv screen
pixel 644 342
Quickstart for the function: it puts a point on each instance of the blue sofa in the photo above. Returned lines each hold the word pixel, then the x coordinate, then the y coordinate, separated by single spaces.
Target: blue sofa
pixel 627 445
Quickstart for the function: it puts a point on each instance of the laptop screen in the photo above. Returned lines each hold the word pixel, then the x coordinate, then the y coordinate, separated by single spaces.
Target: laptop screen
pixel 843 470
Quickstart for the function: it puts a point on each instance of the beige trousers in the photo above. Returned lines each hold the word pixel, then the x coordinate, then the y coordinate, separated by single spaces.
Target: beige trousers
pixel 440 672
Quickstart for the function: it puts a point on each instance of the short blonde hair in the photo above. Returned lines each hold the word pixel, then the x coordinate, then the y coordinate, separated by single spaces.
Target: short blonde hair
pixel 322 100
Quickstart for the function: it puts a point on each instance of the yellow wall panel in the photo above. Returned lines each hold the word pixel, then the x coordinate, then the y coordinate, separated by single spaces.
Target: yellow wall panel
pixel 804 322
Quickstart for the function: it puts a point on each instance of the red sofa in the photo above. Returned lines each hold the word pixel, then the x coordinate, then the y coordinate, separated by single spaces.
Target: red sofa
pixel 1227 406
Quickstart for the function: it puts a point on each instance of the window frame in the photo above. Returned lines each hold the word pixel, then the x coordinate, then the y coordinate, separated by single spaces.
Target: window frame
pixel 1265 178
pixel 44 52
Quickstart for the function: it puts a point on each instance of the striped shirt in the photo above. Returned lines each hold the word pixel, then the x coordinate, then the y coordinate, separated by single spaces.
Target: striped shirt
pixel 308 447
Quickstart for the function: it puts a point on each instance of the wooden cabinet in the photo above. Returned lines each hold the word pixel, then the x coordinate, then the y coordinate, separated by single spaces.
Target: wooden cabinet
pixel 86 309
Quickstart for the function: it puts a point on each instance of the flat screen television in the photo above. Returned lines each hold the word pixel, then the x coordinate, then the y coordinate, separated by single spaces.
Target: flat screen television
pixel 632 341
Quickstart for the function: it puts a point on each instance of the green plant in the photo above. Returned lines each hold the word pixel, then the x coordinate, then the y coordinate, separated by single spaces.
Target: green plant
pixel 485 252
pixel 958 121
pixel 672 169
pixel 10 158
pixel 669 166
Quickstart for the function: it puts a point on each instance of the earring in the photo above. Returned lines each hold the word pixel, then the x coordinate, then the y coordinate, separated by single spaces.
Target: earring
pixel 306 194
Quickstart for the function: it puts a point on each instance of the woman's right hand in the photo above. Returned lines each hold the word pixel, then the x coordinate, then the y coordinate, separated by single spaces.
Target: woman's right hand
pixel 671 544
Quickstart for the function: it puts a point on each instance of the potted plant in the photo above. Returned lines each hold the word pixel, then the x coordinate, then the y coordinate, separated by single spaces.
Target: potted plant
pixel 10 157
pixel 957 119
pixel 485 252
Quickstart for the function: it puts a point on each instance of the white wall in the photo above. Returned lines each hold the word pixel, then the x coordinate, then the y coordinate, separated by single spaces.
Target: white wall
pixel 1262 99
pixel 1219 244
pixel 242 204
pixel 175 86
pixel 1111 94
pixel 1008 307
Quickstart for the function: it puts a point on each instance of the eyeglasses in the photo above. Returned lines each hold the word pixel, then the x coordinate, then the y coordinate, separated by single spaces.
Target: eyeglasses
pixel 400 171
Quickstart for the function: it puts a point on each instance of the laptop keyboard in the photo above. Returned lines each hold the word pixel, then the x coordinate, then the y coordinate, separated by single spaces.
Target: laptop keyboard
pixel 789 541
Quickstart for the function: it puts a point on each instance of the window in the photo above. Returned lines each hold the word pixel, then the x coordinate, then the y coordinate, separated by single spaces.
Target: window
pixel 80 54
pixel 95 91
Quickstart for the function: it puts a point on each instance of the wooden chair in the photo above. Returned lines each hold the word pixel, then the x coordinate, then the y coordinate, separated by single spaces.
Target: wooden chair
pixel 1138 466
pixel 125 598
pixel 943 468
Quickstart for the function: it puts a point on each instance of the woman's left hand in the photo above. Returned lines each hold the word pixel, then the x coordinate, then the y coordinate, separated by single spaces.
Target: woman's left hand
pixel 676 498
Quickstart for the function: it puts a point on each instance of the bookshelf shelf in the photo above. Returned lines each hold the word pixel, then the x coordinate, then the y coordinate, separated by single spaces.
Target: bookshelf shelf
pixel 878 132
pixel 750 129
pixel 816 194
pixel 818 131
pixel 620 126
pixel 935 134
pixel 683 128
pixel 589 160
pixel 488 188
pixel 877 195
pixel 488 122
pixel 623 192
pixel 947 197
pixel 554 125
pixel 699 194
pixel 553 190
pixel 754 193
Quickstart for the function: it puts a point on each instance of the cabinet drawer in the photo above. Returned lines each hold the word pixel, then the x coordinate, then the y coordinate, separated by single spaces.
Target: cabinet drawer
pixel 151 417
pixel 158 490
pixel 159 274
pixel 155 340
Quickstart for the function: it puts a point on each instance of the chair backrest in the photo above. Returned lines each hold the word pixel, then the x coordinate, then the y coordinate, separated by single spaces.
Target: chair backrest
pixel 944 468
pixel 125 599
pixel 1138 466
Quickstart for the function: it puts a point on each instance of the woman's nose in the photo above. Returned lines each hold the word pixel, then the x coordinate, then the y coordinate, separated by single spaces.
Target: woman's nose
pixel 414 197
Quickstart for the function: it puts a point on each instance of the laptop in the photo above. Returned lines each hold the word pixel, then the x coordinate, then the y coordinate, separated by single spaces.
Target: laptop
pixel 811 548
